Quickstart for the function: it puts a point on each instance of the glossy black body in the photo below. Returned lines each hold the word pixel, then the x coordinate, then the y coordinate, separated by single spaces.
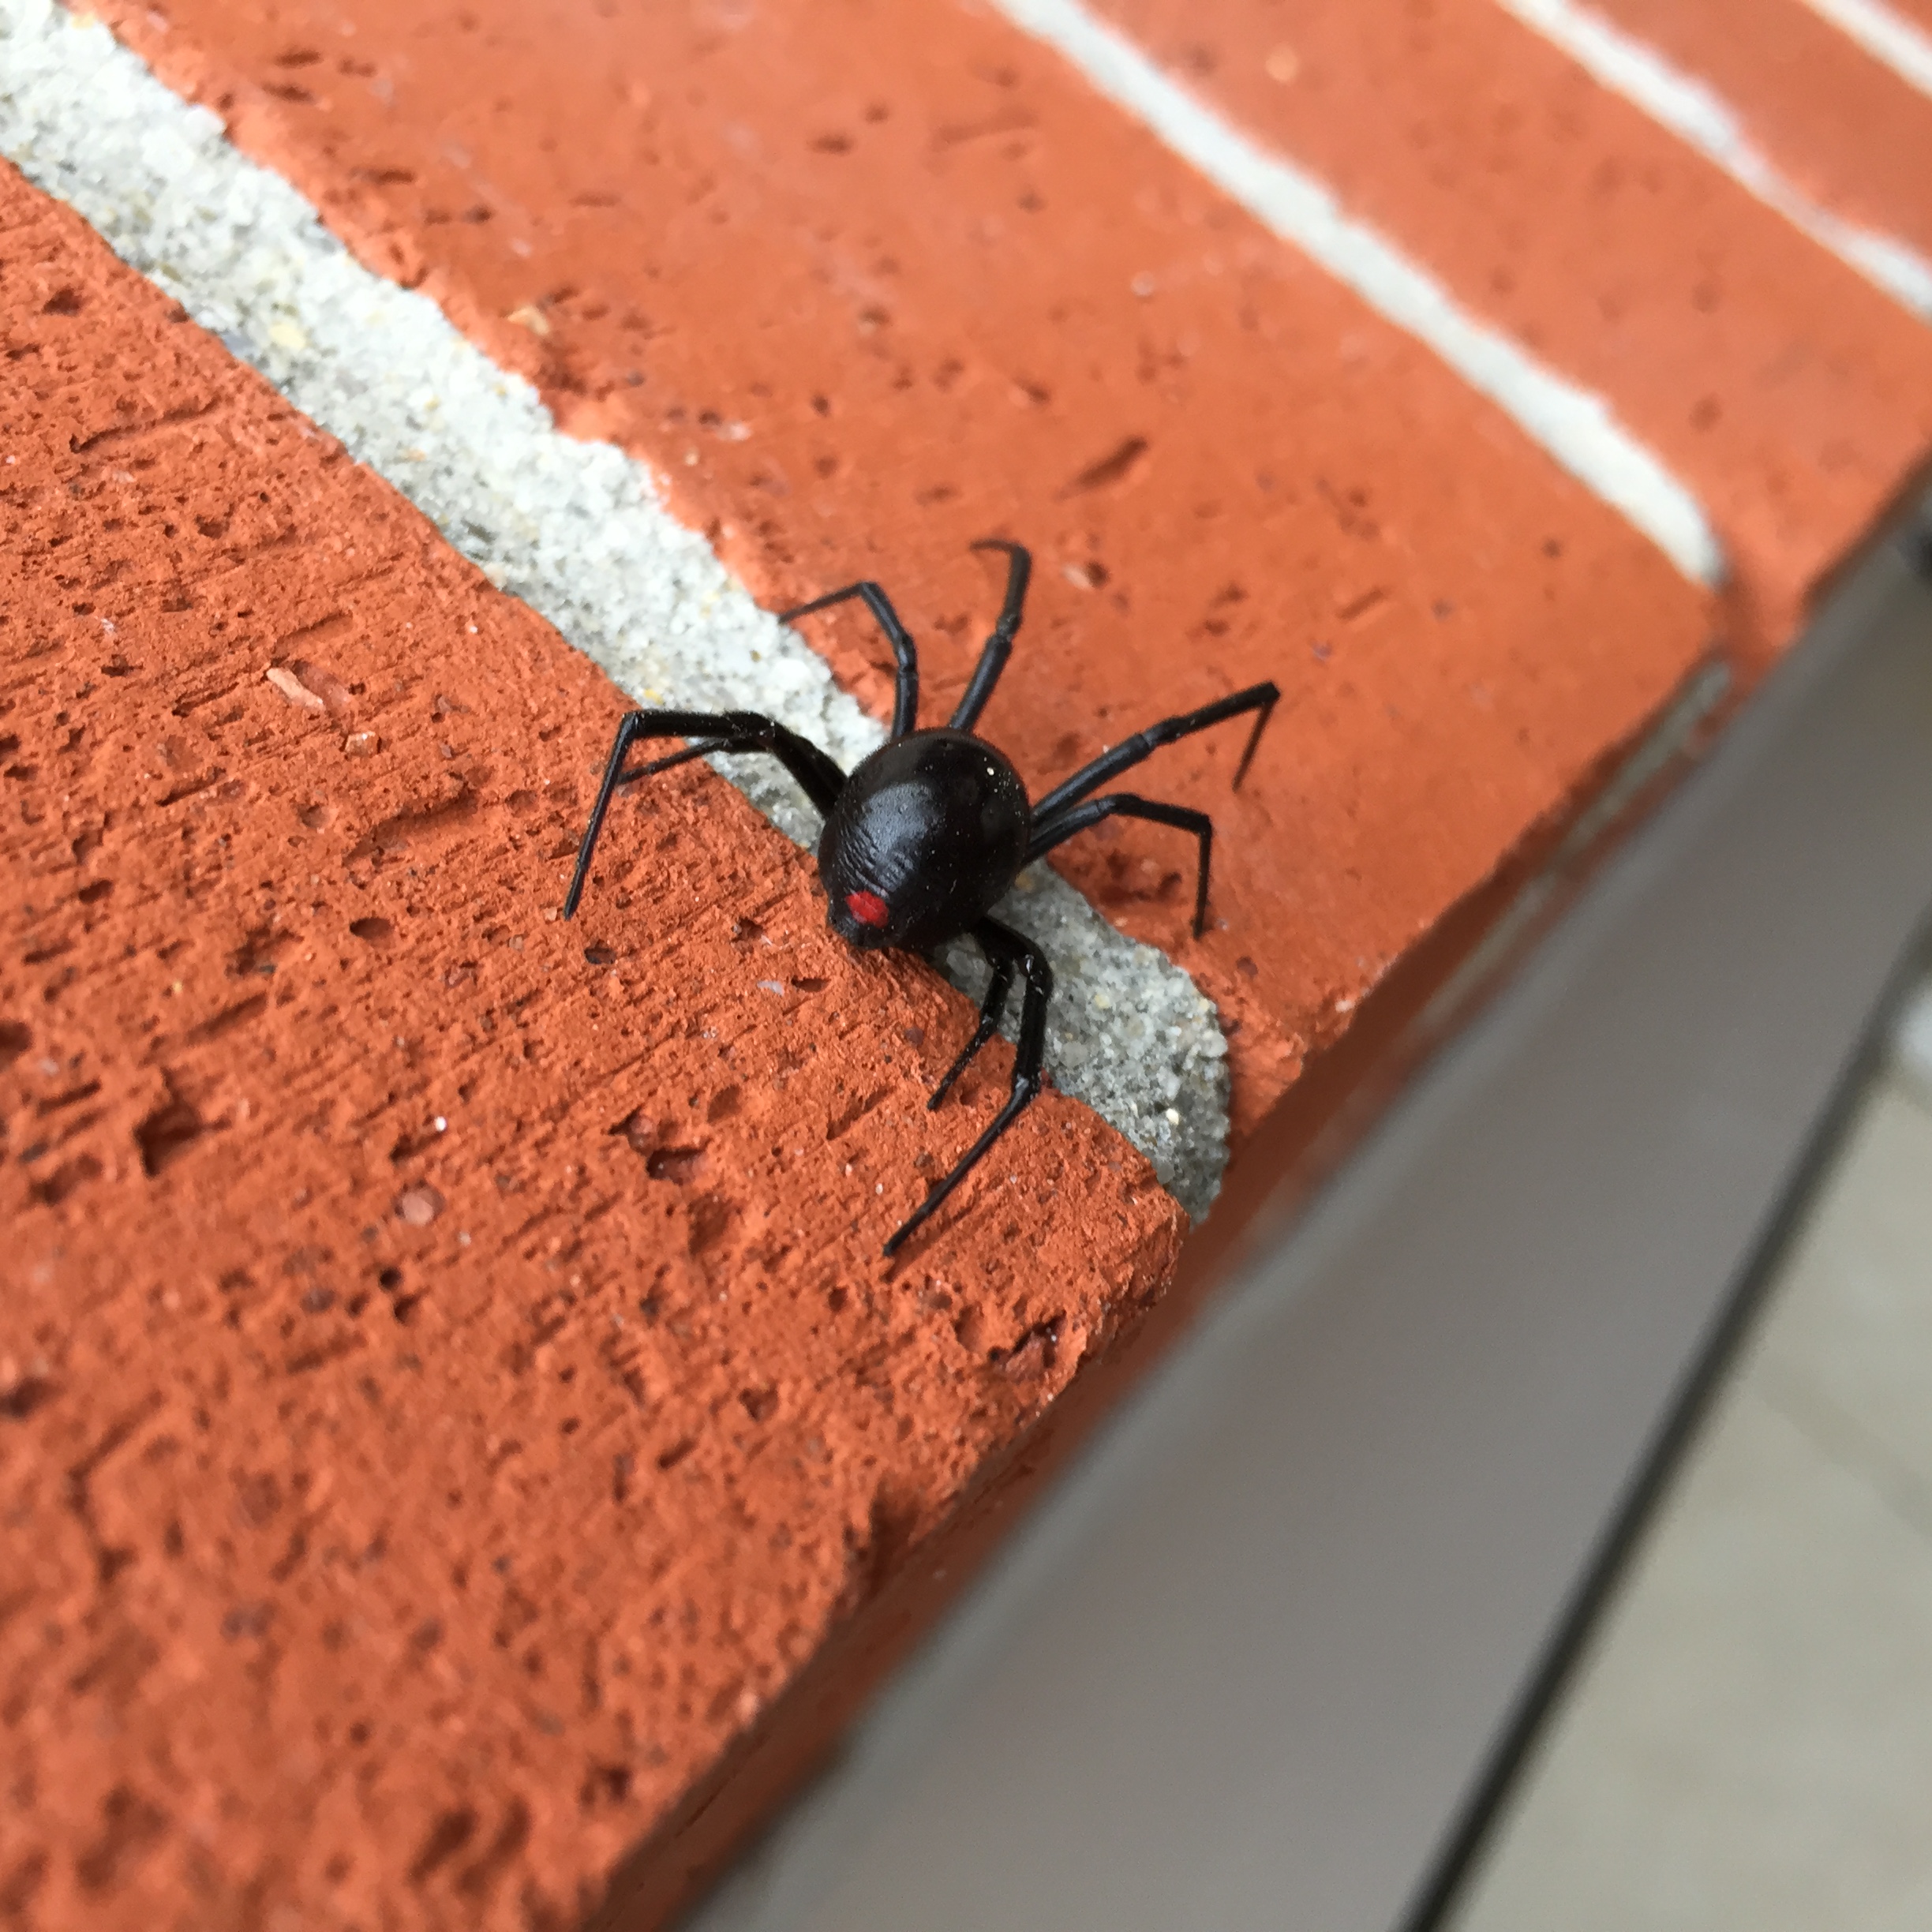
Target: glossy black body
pixel 935 824
pixel 924 837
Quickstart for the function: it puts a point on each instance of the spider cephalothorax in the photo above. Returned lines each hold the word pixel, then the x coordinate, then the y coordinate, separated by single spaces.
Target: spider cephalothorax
pixel 924 836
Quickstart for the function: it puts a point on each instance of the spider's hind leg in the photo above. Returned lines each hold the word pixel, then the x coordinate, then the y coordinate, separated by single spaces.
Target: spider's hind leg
pixel 991 1008
pixel 1059 829
pixel 1013 951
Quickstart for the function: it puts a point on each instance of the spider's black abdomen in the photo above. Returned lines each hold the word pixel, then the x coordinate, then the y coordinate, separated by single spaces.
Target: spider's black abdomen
pixel 923 841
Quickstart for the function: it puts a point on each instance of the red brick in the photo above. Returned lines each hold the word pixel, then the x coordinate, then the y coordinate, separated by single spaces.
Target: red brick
pixel 1793 398
pixel 452 1409
pixel 1851 133
pixel 860 281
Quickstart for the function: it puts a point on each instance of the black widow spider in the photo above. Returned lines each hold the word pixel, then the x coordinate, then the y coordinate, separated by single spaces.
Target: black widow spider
pixel 924 836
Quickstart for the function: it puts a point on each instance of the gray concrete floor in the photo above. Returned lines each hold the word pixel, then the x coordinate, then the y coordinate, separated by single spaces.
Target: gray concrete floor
pixel 1749 1741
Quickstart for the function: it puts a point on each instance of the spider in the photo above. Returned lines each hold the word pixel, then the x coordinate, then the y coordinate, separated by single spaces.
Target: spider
pixel 924 836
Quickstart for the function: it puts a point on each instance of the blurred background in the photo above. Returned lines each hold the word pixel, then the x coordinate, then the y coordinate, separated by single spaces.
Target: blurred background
pixel 1536 1534
pixel 1747 1736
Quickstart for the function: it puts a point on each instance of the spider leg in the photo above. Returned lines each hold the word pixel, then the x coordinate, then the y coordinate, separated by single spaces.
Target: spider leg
pixel 1057 829
pixel 990 1008
pixel 1000 943
pixel 1258 698
pixel 719 730
pixel 905 652
pixel 998 647
pixel 698 748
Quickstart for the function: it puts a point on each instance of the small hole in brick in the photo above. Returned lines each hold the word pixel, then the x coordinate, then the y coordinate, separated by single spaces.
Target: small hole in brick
pixel 760 1404
pixel 391 1279
pixel 65 1179
pixel 447 1836
pixel 21 1398
pixel 681 1165
pixel 94 894
pixel 609 1782
pixel 600 956
pixel 377 931
pixel 130 1827
pixel 168 1131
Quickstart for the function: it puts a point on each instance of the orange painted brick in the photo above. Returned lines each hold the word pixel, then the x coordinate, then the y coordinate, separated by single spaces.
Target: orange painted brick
pixel 454 1418
pixel 1794 399
pixel 864 282
pixel 1846 130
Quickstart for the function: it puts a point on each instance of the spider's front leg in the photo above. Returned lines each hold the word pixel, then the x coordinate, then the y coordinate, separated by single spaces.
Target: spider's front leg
pixel 712 731
pixel 1009 952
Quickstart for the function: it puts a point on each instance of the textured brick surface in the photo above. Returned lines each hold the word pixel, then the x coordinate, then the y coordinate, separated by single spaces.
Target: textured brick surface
pixel 467 1450
pixel 865 281
pixel 1850 131
pixel 1794 397
pixel 448 1386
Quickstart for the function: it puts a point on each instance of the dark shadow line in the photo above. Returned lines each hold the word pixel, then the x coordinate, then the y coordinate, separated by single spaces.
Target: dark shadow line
pixel 1468 1839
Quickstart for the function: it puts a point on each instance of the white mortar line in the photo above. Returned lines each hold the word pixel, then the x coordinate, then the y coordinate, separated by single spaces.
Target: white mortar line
pixel 574 528
pixel 1578 427
pixel 1702 120
pixel 1887 37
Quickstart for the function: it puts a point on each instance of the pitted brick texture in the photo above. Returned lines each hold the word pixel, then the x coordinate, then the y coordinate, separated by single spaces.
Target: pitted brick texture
pixel 448 1386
